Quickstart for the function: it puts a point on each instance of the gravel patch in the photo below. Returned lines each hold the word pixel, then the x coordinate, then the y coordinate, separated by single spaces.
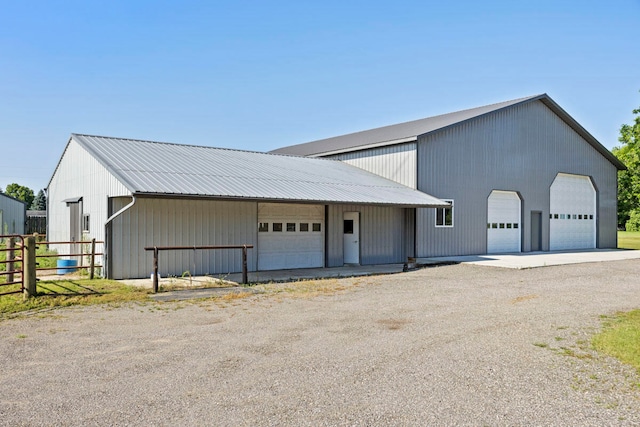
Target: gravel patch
pixel 451 345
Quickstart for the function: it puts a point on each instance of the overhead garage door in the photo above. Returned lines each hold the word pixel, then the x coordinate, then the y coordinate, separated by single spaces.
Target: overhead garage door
pixel 290 236
pixel 572 219
pixel 503 222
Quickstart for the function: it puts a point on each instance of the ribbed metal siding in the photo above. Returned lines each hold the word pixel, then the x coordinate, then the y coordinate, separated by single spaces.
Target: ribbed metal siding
pixel 520 149
pixel 382 234
pixel 395 162
pixel 14 215
pixel 182 222
pixel 79 174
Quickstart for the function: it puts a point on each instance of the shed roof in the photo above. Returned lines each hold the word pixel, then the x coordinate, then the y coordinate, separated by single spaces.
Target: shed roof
pixel 410 131
pixel 11 199
pixel 166 169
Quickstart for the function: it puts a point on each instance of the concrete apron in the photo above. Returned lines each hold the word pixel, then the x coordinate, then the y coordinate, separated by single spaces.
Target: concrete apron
pixel 235 279
pixel 208 286
pixel 535 259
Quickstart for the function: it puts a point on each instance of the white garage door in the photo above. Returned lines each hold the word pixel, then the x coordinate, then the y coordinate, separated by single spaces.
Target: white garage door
pixel 572 218
pixel 290 236
pixel 503 222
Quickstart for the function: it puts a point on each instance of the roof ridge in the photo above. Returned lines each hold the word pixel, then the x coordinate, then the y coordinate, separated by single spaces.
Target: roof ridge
pixel 416 122
pixel 239 150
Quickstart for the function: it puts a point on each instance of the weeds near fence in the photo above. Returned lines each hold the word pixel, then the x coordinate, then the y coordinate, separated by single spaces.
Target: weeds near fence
pixel 65 293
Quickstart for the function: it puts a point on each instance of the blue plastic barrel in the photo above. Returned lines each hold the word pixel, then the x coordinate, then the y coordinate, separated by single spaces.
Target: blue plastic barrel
pixel 66 263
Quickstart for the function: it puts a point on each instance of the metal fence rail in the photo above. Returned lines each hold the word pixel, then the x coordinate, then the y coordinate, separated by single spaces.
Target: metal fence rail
pixel 91 254
pixel 156 250
pixel 21 261
pixel 11 261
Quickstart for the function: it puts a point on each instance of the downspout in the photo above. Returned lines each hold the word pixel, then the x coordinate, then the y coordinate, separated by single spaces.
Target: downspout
pixel 107 240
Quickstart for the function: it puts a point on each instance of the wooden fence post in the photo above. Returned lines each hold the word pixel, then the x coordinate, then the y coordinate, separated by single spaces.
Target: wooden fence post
pixel 29 267
pixel 92 260
pixel 11 243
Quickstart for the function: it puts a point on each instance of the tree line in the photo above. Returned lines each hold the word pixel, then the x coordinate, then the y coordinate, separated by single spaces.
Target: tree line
pixel 628 152
pixel 36 202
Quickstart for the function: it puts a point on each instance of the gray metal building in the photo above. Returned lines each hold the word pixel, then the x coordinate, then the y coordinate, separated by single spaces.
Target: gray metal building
pixel 297 212
pixel 13 214
pixel 521 176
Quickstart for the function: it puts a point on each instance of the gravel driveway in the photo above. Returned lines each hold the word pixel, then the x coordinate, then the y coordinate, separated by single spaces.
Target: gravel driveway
pixel 453 345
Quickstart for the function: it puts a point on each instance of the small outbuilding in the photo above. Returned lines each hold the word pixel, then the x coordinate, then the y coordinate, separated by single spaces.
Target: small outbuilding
pixel 297 212
pixel 520 176
pixel 13 214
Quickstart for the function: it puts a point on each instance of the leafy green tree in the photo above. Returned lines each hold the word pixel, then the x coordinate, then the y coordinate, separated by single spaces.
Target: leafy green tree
pixel 629 180
pixel 20 192
pixel 40 202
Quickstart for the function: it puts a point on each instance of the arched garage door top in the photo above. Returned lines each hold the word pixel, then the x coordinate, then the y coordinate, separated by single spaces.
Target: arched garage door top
pixel 572 215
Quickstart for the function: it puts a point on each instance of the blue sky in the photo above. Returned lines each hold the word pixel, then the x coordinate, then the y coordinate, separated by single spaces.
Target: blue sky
pixel 261 75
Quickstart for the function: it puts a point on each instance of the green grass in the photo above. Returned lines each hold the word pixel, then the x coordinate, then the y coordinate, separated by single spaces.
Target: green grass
pixel 64 293
pixel 621 338
pixel 629 239
pixel 43 262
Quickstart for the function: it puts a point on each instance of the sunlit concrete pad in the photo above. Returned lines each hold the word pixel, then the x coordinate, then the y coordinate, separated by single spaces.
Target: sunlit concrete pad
pixel 536 259
pixel 235 279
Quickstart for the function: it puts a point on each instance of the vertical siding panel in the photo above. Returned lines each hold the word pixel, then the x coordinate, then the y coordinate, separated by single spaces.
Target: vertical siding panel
pixel 80 174
pixel 382 231
pixel 519 149
pixel 171 222
pixel 395 162
pixel 14 215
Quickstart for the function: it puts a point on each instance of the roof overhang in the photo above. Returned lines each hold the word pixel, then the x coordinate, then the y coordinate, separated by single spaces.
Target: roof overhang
pixel 366 146
pixel 438 204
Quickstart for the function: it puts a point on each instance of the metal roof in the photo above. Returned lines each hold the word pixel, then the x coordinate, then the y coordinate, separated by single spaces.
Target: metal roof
pixel 165 169
pixel 409 131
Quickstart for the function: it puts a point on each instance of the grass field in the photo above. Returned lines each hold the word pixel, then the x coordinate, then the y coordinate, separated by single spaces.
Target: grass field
pixel 621 338
pixel 629 239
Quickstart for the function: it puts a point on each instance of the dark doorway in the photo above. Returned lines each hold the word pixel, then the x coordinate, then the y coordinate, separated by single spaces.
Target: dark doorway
pixel 536 231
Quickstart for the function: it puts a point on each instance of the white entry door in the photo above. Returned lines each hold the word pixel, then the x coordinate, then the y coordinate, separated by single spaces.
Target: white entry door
pixel 351 237
pixel 572 212
pixel 503 222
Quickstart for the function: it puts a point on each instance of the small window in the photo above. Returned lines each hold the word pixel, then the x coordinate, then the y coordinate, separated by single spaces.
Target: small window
pixel 515 225
pixel 444 216
pixel 316 226
pixel 502 225
pixel 574 216
pixel 488 225
pixel 494 225
pixel 263 227
pixel 85 223
pixel 277 226
pixel 304 226
pixel 561 216
pixel 555 216
pixel 348 226
pixel 550 216
pixel 579 216
pixel 568 216
pixel 291 226
pixel 509 225
pixel 590 216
